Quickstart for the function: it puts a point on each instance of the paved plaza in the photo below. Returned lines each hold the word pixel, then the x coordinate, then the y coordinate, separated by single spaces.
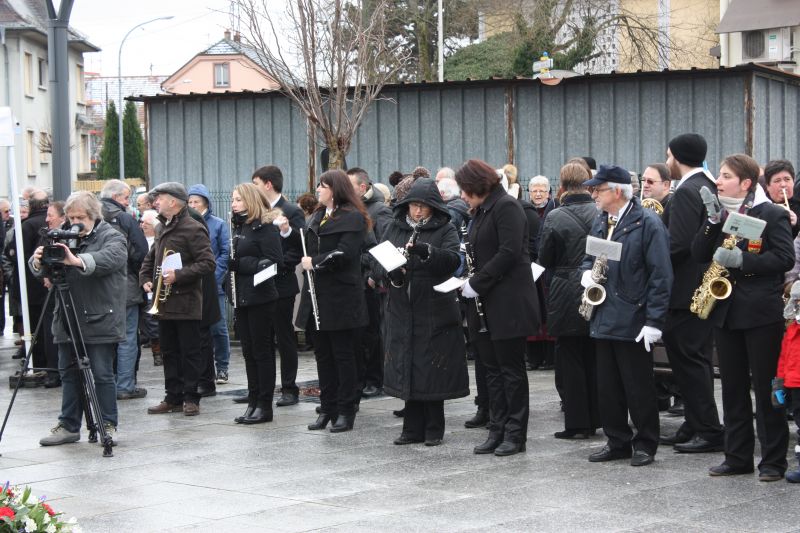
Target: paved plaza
pixel 206 473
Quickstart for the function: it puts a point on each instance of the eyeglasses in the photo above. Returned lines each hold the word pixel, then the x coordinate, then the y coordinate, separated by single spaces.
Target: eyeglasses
pixel 599 190
pixel 653 182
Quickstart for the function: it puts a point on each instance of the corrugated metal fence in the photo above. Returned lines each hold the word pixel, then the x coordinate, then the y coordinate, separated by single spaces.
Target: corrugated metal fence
pixel 627 119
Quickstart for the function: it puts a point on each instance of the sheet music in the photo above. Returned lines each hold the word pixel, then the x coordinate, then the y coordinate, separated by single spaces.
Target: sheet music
pixel 388 256
pixel 265 274
pixel 172 262
pixel 450 285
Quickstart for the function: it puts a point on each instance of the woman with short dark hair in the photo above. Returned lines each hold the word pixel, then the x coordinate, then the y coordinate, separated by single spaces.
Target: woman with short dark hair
pixel 336 233
pixel 749 323
pixel 503 298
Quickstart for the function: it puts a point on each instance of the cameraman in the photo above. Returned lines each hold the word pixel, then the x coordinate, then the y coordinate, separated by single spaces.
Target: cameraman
pixel 95 273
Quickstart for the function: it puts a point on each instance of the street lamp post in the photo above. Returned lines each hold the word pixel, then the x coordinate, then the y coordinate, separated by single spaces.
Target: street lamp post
pixel 119 99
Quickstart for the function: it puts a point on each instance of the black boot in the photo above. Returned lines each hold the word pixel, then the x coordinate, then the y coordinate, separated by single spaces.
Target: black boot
pixel 322 421
pixel 480 419
pixel 487 447
pixel 343 423
pixel 248 412
pixel 259 415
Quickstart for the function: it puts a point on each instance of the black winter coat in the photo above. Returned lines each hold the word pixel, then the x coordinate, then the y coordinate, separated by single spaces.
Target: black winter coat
pixel 286 280
pixel 499 243
pixel 339 289
pixel 424 343
pixel 638 285
pixel 756 299
pixel 561 250
pixel 256 246
pixel 31 235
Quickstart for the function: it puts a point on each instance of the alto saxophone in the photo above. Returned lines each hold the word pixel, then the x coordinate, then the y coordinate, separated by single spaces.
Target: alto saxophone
pixel 715 285
pixel 595 294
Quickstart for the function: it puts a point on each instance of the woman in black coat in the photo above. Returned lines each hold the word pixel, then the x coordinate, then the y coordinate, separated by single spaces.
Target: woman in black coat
pixel 425 362
pixel 749 323
pixel 256 246
pixel 336 233
pixel 503 283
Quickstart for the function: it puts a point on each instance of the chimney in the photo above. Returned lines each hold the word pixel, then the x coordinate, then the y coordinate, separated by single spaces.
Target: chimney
pixel 227 35
pixel 237 37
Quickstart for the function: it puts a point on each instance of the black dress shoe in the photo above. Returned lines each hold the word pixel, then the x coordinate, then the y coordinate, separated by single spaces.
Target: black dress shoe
pixel 487 447
pixel 574 434
pixel 769 474
pixel 287 399
pixel 259 416
pixel 641 458
pixel 610 454
pixel 370 391
pixel 679 437
pixel 699 445
pixel 51 383
pixel 248 412
pixel 433 442
pixel 241 399
pixel 400 413
pixel 406 439
pixel 322 421
pixel 509 448
pixel 727 470
pixel 343 423
pixel 205 392
pixel 318 409
pixel 480 419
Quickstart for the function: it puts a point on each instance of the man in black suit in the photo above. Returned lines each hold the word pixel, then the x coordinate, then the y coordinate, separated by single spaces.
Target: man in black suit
pixel 687 338
pixel 270 180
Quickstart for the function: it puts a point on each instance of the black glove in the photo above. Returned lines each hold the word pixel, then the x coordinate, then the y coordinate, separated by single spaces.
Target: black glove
pixel 423 251
pixel 778 394
pixel 329 261
pixel 397 277
pixel 233 264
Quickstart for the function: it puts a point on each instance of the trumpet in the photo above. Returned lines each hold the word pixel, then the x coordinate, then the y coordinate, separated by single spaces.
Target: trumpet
pixel 595 294
pixel 162 289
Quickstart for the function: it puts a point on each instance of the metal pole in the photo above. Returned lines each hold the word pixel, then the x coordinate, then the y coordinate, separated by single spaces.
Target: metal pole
pixel 441 42
pixel 120 106
pixel 58 59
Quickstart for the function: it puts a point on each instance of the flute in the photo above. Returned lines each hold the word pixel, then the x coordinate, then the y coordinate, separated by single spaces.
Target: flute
pixel 785 199
pixel 311 290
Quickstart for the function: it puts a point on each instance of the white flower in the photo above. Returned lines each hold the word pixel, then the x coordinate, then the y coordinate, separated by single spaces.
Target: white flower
pixel 50 528
pixel 30 525
pixel 45 518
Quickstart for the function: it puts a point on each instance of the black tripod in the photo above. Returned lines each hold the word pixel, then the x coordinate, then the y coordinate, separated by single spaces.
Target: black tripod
pixel 91 405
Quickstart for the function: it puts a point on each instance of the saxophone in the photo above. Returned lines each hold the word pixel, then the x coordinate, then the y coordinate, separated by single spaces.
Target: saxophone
pixel 595 294
pixel 715 285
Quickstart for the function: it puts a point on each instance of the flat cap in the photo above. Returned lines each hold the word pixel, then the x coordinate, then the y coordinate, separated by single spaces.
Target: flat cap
pixel 173 188
pixel 609 173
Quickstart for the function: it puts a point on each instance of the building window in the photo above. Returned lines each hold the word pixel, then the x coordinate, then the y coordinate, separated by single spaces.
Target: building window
pixel 45 147
pixel 28 67
pixel 222 75
pixel 30 153
pixel 83 163
pixel 42 73
pixel 79 88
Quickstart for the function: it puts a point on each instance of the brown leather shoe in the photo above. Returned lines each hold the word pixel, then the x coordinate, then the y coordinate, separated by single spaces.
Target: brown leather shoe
pixel 163 408
pixel 191 409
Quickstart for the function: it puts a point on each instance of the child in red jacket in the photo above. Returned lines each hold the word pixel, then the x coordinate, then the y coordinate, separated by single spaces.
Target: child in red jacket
pixel 786 385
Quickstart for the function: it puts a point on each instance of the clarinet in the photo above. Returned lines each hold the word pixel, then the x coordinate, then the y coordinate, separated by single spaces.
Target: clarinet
pixel 233 256
pixel 471 272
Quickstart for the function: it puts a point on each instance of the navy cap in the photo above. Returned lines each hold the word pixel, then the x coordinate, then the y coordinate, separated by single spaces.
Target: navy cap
pixel 609 173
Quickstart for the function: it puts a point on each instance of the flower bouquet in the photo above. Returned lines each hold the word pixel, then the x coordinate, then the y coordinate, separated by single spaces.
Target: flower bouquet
pixel 20 512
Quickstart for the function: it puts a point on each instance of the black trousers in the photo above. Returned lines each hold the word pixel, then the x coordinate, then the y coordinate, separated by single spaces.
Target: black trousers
pixel 688 343
pixel 255 332
pixel 287 344
pixel 335 352
pixel 507 382
pixel 183 359
pixel 209 376
pixel 369 351
pixel 424 420
pixel 625 384
pixel 576 359
pixel 50 347
pixel 749 358
pixel 482 398
pixel 39 355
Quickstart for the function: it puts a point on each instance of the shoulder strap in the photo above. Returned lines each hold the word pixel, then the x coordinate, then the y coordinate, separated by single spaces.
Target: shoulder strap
pixel 581 223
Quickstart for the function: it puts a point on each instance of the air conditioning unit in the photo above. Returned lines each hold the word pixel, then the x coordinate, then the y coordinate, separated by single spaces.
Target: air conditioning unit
pixel 767 46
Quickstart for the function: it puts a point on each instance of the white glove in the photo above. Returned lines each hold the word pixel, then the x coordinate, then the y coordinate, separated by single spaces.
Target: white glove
pixel 467 291
pixel 586 279
pixel 650 336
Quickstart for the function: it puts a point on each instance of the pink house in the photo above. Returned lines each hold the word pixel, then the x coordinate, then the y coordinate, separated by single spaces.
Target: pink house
pixel 228 65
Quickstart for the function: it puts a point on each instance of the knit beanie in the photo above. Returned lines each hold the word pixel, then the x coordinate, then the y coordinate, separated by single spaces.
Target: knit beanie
pixel 689 149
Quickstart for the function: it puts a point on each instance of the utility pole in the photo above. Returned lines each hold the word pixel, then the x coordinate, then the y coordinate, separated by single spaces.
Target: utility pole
pixel 58 70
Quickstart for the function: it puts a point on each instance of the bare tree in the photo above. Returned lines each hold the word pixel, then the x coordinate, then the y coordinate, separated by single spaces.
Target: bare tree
pixel 327 57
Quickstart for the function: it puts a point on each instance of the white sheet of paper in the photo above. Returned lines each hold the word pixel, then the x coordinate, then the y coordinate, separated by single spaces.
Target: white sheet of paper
pixel 172 262
pixel 450 285
pixel 743 226
pixel 537 270
pixel 388 256
pixel 6 127
pixel 265 274
pixel 597 247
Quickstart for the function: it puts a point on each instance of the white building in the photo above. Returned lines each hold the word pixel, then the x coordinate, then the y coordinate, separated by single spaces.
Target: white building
pixel 25 89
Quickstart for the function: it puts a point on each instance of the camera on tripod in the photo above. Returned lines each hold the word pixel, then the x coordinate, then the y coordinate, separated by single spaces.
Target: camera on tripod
pixel 52 254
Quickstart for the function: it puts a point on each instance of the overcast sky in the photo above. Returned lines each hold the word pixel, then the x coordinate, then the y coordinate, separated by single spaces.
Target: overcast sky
pixel 160 47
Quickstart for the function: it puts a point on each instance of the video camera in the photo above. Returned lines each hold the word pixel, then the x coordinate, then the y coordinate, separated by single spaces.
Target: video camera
pixel 54 254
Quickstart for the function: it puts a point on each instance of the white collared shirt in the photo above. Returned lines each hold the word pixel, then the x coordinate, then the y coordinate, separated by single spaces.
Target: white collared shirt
pixel 695 170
